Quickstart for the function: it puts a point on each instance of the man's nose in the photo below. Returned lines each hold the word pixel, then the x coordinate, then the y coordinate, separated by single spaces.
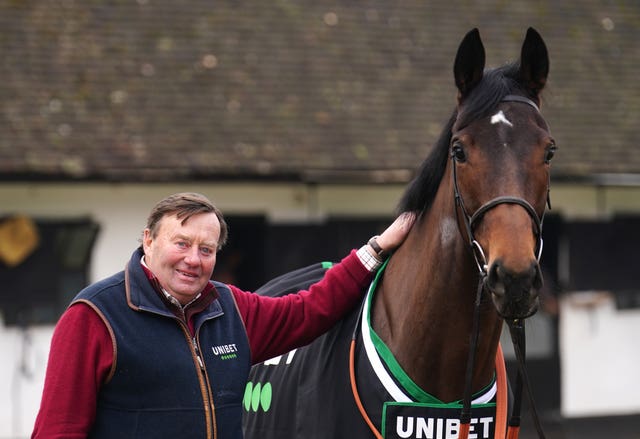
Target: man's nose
pixel 192 256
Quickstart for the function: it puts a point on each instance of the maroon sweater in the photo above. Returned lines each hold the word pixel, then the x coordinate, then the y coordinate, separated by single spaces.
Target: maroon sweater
pixel 82 351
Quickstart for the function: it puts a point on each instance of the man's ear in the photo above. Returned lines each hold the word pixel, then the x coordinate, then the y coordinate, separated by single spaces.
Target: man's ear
pixel 146 240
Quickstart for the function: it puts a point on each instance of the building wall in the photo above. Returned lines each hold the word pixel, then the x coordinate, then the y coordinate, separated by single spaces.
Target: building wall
pixel 600 356
pixel 121 212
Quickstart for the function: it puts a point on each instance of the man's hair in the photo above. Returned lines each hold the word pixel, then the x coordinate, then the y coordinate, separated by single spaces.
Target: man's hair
pixel 184 205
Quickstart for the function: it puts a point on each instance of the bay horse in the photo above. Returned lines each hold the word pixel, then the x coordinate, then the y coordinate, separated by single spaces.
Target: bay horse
pixel 471 256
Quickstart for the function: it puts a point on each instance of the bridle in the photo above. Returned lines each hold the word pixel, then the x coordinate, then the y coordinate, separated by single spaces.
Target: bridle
pixel 471 220
pixel 516 326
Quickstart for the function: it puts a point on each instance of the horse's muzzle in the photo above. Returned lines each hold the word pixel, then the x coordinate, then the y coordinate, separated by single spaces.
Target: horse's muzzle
pixel 514 294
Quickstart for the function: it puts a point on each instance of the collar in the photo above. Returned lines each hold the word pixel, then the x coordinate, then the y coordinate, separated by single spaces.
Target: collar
pixel 145 293
pixel 387 369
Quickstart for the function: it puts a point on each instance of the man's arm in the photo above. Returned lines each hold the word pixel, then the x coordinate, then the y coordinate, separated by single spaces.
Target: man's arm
pixel 277 325
pixel 80 359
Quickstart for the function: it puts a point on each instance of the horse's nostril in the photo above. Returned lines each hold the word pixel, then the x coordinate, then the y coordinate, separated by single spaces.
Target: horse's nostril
pixel 495 279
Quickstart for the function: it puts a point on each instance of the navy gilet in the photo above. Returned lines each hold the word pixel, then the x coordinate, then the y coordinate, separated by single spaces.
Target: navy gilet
pixel 158 388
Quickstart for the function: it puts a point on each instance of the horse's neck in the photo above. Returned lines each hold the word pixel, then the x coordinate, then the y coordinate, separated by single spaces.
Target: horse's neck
pixel 423 309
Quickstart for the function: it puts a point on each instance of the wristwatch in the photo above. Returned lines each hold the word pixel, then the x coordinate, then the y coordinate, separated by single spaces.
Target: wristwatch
pixel 380 253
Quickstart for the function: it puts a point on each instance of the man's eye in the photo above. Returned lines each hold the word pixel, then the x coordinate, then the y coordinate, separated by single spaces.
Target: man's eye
pixel 206 250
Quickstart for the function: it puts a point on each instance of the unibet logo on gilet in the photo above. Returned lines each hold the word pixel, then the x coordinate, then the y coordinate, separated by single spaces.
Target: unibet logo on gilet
pixel 226 351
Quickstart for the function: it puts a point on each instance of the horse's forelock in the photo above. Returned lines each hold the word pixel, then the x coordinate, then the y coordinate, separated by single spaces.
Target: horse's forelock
pixel 494 86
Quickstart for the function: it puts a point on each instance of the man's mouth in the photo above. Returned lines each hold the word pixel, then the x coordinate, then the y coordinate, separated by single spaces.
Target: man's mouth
pixel 187 274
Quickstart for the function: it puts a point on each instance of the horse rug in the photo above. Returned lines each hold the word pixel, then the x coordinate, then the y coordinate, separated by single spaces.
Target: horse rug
pixel 306 393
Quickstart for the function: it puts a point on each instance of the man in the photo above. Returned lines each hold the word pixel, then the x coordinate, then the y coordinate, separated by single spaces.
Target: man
pixel 160 351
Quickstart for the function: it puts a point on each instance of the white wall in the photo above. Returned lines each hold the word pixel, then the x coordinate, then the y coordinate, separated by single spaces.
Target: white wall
pixel 24 359
pixel 600 356
pixel 121 211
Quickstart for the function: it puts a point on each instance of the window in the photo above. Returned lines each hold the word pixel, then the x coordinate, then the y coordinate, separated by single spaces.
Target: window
pixel 37 288
pixel 603 255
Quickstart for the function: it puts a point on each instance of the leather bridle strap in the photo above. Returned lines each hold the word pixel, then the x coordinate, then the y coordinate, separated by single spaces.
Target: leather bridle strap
pixel 517 98
pixel 465 414
pixel 537 221
pixel 471 220
pixel 516 329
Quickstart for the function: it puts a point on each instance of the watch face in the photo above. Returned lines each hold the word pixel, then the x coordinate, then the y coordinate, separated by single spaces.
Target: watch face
pixel 373 242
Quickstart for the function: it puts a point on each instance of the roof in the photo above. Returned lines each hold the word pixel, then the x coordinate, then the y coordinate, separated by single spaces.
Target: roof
pixel 158 90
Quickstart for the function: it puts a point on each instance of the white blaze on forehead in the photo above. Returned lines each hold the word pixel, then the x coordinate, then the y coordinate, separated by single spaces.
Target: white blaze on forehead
pixel 499 117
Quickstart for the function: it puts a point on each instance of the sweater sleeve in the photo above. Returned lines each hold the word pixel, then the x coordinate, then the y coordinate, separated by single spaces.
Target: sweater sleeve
pixel 275 325
pixel 80 361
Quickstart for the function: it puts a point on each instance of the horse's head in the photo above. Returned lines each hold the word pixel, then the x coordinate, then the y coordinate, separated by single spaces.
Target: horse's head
pixel 500 151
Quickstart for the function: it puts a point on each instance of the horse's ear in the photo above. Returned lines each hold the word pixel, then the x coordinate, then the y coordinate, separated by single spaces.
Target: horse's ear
pixel 534 62
pixel 469 64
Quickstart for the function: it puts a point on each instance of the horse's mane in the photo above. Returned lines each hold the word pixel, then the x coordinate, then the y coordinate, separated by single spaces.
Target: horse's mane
pixel 495 85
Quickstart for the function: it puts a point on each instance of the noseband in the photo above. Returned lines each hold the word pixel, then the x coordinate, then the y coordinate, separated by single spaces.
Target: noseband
pixel 471 220
pixel 516 326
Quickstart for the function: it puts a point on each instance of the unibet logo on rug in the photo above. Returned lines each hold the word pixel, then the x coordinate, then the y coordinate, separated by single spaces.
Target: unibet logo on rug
pixel 416 421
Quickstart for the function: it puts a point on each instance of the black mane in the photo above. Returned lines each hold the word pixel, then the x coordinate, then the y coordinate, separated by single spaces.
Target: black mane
pixel 495 85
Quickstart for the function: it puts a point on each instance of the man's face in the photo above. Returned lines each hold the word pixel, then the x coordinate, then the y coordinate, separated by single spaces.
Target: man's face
pixel 182 256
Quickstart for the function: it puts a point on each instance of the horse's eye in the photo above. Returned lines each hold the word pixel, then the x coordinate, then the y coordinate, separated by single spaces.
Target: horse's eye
pixel 550 152
pixel 457 152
